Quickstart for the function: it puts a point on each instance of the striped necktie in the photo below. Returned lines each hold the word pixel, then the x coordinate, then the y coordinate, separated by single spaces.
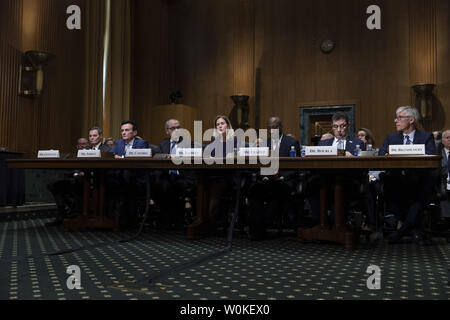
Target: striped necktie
pixel 408 141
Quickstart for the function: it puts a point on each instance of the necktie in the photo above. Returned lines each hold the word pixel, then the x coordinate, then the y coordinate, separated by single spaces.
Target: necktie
pixel 340 144
pixel 172 151
pixel 172 147
pixel 448 164
pixel 408 141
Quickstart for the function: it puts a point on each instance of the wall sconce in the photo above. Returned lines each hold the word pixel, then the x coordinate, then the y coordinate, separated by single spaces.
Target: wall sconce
pixel 240 112
pixel 424 99
pixel 32 73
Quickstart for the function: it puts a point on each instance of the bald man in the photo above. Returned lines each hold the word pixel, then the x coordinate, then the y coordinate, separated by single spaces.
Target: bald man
pixel 270 197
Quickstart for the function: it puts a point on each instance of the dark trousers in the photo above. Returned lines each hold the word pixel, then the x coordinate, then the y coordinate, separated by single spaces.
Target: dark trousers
pixel 356 192
pixel 68 196
pixel 124 189
pixel 406 194
pixel 169 192
pixel 270 203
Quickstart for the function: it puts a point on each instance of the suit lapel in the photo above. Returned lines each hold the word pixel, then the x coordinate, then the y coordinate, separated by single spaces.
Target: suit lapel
pixel 416 137
pixel 444 156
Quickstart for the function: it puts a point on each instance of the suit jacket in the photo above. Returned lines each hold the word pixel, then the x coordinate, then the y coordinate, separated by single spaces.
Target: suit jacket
pixel 286 144
pixel 444 163
pixel 102 148
pixel 119 147
pixel 420 137
pixel 164 146
pixel 350 145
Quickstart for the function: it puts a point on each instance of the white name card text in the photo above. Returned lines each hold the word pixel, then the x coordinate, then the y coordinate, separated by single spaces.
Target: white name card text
pixel 189 152
pixel 47 154
pixel 89 154
pixel 139 153
pixel 407 149
pixel 321 151
pixel 254 152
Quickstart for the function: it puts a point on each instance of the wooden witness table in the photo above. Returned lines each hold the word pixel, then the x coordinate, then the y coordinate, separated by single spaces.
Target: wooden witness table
pixel 335 166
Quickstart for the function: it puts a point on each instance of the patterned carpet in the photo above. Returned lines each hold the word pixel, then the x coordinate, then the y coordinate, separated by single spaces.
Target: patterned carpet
pixel 276 269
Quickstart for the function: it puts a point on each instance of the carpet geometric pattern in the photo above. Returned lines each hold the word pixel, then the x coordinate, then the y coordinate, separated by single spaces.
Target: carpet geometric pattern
pixel 276 269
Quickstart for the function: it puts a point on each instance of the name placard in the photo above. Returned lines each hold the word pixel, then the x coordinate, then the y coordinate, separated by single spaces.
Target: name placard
pixel 89 154
pixel 407 149
pixel 254 152
pixel 189 152
pixel 139 153
pixel 321 151
pixel 48 154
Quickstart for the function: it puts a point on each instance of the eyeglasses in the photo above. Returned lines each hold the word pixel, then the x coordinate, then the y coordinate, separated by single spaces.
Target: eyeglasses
pixel 398 118
pixel 174 128
pixel 342 126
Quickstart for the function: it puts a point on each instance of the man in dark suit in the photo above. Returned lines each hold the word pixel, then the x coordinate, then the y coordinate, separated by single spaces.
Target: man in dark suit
pixel 125 185
pixel 407 191
pixel 173 189
pixel 67 192
pixel 96 140
pixel 270 196
pixel 129 140
pixel 343 141
pixel 445 152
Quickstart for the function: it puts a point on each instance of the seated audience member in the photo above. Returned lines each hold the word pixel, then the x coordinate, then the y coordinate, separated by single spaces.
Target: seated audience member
pixel 110 142
pixel 68 191
pixel 344 141
pixel 82 143
pixel 366 136
pixel 326 136
pixel 173 189
pixel 125 185
pixel 95 140
pixel 445 204
pixel 407 191
pixel 437 138
pixel 269 197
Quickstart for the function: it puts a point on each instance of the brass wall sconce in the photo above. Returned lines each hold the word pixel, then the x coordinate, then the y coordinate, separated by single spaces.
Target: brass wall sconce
pixel 32 73
pixel 240 112
pixel 424 100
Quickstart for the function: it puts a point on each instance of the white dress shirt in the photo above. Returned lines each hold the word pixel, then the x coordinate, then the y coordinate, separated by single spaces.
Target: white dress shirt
pixel 336 142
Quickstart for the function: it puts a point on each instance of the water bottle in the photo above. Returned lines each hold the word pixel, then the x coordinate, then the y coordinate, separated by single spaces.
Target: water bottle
pixel 303 151
pixel 369 147
pixel 357 150
pixel 292 153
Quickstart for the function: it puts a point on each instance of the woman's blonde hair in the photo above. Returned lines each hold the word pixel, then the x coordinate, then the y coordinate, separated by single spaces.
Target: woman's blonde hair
pixel 230 131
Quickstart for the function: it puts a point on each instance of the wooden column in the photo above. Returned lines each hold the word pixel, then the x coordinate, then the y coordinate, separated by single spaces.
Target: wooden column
pixel 423 44
pixel 244 51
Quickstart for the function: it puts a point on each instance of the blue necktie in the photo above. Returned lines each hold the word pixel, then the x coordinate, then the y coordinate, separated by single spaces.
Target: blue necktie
pixel 408 141
pixel 172 146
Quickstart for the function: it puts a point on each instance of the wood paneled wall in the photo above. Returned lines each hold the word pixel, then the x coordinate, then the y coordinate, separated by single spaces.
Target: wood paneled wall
pixel 150 62
pixel 271 48
pixel 210 50
pixel 51 121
